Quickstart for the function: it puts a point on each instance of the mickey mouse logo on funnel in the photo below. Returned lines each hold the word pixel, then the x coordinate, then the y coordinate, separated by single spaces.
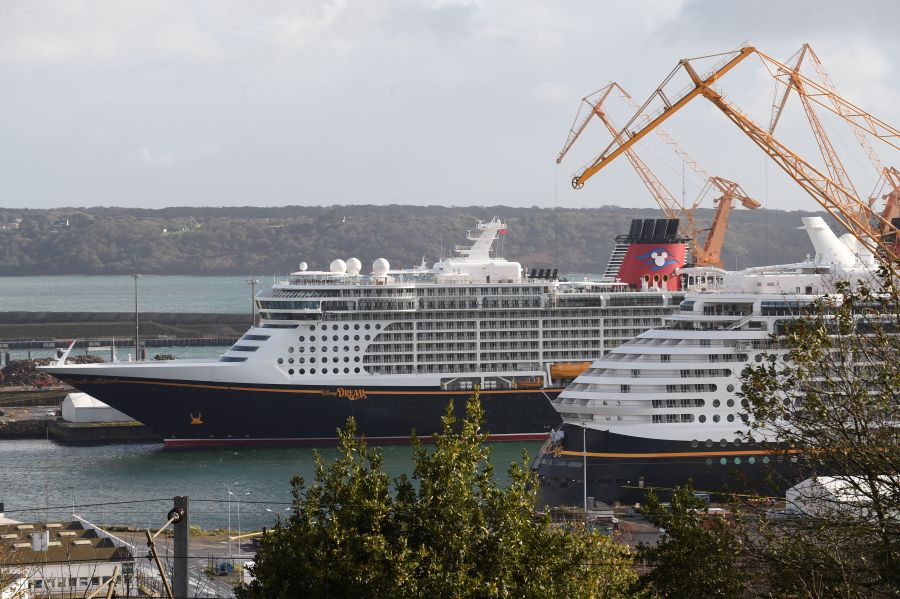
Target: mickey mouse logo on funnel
pixel 657 258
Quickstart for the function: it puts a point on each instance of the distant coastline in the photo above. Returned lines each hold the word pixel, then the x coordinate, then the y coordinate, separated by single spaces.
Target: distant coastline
pixel 237 241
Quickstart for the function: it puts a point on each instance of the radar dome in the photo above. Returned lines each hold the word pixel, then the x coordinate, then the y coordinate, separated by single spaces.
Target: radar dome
pixel 381 267
pixel 354 266
pixel 303 266
pixel 338 266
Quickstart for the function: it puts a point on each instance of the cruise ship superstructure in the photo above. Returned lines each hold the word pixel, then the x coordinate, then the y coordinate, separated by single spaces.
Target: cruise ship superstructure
pixel 392 347
pixel 664 408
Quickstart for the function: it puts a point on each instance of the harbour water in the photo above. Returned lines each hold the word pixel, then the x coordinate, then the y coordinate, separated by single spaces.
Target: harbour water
pixel 132 485
pixel 41 479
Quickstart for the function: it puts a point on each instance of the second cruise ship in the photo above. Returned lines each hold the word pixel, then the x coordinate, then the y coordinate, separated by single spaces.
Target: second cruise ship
pixel 664 408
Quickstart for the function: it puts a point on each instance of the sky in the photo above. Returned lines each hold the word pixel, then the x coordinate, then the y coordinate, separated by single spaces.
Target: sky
pixel 153 103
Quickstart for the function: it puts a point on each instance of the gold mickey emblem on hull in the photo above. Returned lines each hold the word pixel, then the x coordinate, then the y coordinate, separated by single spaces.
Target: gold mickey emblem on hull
pixel 198 419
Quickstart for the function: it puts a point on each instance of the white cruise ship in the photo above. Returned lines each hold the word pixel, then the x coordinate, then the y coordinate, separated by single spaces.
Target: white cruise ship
pixel 663 408
pixel 393 346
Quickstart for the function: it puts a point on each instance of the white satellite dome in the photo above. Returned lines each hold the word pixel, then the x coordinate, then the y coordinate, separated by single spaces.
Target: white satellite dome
pixel 304 266
pixel 338 266
pixel 354 266
pixel 381 267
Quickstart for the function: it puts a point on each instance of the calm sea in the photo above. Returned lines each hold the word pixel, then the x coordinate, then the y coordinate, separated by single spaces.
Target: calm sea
pixel 42 479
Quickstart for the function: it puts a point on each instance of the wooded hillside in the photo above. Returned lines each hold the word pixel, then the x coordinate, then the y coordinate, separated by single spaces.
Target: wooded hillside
pixel 245 240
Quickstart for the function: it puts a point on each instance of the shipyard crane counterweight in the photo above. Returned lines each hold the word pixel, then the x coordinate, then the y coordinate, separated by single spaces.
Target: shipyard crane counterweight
pixel 707 254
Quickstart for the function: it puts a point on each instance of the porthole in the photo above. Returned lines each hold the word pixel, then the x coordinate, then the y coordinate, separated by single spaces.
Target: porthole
pixel 346 370
pixel 324 371
pixel 312 370
pixel 302 339
pixel 723 442
pixel 334 338
pixel 737 460
pixel 367 337
pixel 290 350
pixel 713 387
pixel 346 337
pixel 291 371
pixel 281 360
pixel 716 403
pixel 765 459
pixel 335 359
pixel 709 461
pixel 731 418
pixel 324 349
pixel 737 442
pixel 290 360
pixel 312 360
pixel 730 403
pixel 346 326
pixel 356 369
pixel 356 327
pixel 716 418
pixel 702 418
pixel 723 461
pixel 377 326
pixel 301 349
pixel 312 327
pixel 745 403
pixel 334 327
pixel 695 443
pixel 730 388
pixel 346 348
pixel 312 338
pixel 751 460
pixel 367 327
pixel 787 403
pixel 301 371
pixel 758 357
pixel 356 348
pixel 335 348
pixel 709 443
pixel 346 358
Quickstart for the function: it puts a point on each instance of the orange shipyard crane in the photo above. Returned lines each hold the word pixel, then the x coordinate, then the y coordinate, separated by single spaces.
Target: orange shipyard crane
pixel 872 232
pixel 886 175
pixel 709 254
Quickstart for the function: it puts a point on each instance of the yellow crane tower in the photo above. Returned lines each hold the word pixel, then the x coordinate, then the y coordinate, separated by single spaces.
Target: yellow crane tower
pixel 868 226
pixel 887 176
pixel 707 254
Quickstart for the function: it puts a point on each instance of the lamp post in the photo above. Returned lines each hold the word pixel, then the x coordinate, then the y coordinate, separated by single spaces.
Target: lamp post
pixel 230 494
pixel 253 283
pixel 239 520
pixel 584 465
pixel 137 334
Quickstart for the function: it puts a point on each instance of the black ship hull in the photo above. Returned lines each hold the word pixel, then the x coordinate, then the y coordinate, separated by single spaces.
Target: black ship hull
pixel 622 469
pixel 196 413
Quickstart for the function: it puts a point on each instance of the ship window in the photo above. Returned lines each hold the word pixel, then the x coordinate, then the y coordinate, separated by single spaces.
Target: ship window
pixel 324 349
pixel 280 326
pixel 281 360
pixel 301 360
pixel 377 326
pixel 312 360
pixel 334 327
pixel 256 337
pixel 730 388
pixel 367 327
pixel 334 338
pixel 231 359
pixel 356 348
pixel 356 327
pixel 731 418
pixel 346 337
pixel 716 403
pixel 335 348
pixel 367 337
pixel 346 326
pixel 716 418
pixel 312 327
pixel 723 461
pixel 312 370
pixel 290 350
pixel 356 369
pixel 312 338
pixel 356 337
pixel 301 371
pixel 302 339
pixel 346 348
pixel 709 443
pixel 702 418
pixel 291 371
pixel 290 360
pixel 245 348
pixel 346 358
pixel 346 370
pixel 730 403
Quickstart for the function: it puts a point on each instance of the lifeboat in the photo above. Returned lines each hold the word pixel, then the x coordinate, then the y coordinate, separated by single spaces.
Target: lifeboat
pixel 568 370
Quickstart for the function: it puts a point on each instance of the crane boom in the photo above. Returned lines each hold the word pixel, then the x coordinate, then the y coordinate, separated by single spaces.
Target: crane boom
pixel 835 199
pixel 791 80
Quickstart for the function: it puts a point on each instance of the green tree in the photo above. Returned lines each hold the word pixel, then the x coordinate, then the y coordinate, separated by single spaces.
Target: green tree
pixel 697 555
pixel 448 531
pixel 833 397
